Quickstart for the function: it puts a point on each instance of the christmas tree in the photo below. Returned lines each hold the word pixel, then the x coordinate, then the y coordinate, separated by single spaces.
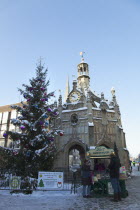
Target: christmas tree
pixel 41 184
pixel 35 136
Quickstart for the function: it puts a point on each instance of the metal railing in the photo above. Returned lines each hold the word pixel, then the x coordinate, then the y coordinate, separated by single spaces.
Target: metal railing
pixel 9 181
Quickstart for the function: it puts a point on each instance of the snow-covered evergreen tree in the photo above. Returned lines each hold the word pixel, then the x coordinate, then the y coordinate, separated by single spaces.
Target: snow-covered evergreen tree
pixel 35 137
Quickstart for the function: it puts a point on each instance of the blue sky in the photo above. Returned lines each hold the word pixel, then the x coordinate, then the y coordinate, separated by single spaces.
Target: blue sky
pixel 108 31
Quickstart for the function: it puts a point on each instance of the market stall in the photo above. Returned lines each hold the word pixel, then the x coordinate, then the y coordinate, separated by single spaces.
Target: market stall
pixel 100 159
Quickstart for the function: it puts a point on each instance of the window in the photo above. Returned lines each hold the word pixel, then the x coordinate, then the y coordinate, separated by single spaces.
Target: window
pixel 0 117
pixel 74 119
pixel 13 114
pixel 5 117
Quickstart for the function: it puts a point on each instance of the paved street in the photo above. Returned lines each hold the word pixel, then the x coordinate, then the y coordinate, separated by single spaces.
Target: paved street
pixel 67 201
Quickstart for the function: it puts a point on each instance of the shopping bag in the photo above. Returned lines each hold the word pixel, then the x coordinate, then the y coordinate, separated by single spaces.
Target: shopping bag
pixel 122 175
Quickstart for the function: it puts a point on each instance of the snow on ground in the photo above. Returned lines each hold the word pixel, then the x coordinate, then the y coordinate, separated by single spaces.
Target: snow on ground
pixel 64 200
pixel 135 171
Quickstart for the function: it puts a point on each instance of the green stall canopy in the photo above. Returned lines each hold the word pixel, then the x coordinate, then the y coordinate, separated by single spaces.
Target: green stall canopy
pixel 100 152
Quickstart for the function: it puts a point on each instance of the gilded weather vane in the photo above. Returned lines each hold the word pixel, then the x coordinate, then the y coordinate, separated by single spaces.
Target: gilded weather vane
pixel 82 57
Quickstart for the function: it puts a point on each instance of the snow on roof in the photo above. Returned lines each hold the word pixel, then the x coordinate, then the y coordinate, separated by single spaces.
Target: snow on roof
pixel 97 118
pixel 96 103
pixel 111 107
pixel 110 111
pixel 96 108
pixel 92 147
pixel 76 102
pixel 112 120
pixel 74 110
pixel 90 124
pixel 125 149
pixel 83 118
pixel 120 127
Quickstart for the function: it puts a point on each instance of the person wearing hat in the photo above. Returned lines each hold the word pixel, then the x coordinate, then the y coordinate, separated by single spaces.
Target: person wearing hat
pixel 114 168
pixel 86 178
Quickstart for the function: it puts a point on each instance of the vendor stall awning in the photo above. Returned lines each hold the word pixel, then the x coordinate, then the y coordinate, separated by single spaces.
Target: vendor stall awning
pixel 102 157
pixel 100 152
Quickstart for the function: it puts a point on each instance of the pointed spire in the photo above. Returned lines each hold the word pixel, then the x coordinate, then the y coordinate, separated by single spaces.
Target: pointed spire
pixel 67 91
pixel 113 91
pixel 113 96
pixel 114 100
pixel 102 96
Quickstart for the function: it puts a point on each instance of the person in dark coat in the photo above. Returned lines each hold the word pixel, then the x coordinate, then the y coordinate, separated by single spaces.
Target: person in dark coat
pixel 86 179
pixel 114 170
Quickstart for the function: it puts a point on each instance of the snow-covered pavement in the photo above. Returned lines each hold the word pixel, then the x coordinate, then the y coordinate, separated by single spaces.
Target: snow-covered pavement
pixel 52 200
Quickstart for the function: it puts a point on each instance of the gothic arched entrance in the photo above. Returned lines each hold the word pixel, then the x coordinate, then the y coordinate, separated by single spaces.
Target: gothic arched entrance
pixel 74 153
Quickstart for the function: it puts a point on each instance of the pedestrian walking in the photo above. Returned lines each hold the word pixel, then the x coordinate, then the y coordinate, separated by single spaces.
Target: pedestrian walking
pixel 114 170
pixel 138 166
pixel 130 162
pixel 134 163
pixel 86 178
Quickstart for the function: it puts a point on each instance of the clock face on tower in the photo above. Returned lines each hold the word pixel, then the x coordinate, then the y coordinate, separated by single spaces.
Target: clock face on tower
pixel 74 96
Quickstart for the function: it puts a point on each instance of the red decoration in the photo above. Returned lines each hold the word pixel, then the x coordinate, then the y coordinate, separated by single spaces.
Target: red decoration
pixel 61 134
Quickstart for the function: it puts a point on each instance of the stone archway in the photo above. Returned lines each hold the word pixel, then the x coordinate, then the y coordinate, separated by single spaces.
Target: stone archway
pixel 76 155
pixel 79 148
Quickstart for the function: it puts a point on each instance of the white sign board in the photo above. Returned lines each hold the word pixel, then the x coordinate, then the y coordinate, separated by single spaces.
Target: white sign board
pixel 50 180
